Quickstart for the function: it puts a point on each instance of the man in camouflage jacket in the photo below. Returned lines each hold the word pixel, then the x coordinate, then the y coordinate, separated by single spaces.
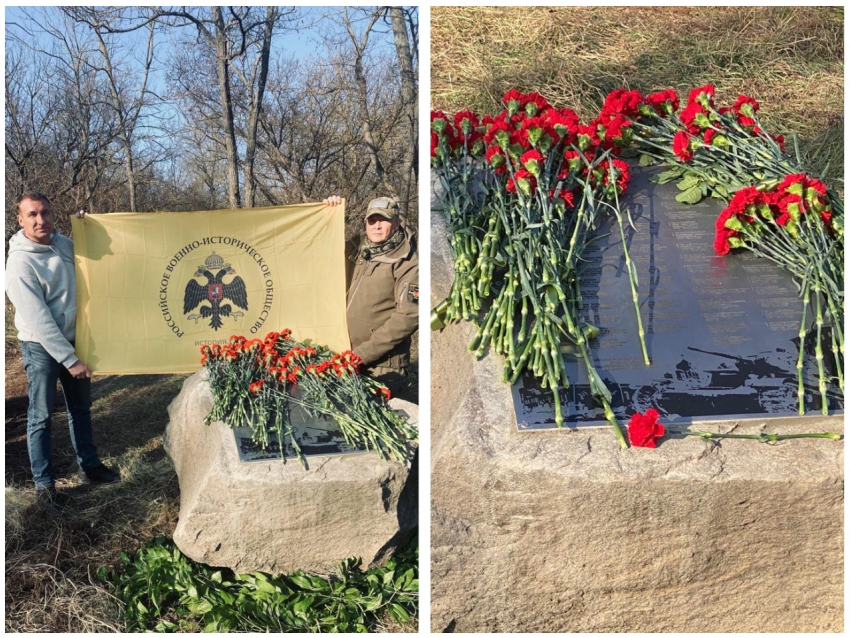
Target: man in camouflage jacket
pixel 383 294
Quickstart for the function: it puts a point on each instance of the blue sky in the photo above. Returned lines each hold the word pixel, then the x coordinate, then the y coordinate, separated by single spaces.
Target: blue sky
pixel 302 42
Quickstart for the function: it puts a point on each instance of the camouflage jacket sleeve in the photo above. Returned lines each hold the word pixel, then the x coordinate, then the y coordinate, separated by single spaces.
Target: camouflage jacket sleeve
pixel 404 321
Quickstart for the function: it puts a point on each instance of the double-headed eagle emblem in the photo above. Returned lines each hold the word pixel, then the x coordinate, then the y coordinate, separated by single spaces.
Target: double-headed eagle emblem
pixel 215 291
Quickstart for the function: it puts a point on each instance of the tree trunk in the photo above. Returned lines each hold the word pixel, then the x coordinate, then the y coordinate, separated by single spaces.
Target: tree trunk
pixel 124 133
pixel 366 123
pixel 222 65
pixel 363 102
pixel 410 99
pixel 256 107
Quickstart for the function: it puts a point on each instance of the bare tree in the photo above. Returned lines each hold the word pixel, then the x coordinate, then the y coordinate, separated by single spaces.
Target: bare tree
pixel 67 147
pixel 360 42
pixel 307 133
pixel 232 32
pixel 255 87
pixel 410 103
pixel 240 122
pixel 127 108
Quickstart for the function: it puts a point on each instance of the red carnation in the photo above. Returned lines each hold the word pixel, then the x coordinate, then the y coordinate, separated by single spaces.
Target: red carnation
pixel 256 387
pixel 574 162
pixel 496 126
pixel 742 100
pixel 539 102
pixel 749 195
pixel 528 137
pixel 663 100
pixel 591 135
pixel 565 122
pixel 522 101
pixel 442 121
pixel 521 174
pixel 706 92
pixel 531 156
pixel 496 158
pixel 784 203
pixel 565 196
pixel 519 138
pixel 689 115
pixel 644 429
pixel 682 146
pixel 721 244
pixel 621 174
pixel 805 181
pixel 466 121
pixel 621 102
pixel 616 129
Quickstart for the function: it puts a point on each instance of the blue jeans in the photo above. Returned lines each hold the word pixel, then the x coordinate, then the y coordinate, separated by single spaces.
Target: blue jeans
pixel 42 373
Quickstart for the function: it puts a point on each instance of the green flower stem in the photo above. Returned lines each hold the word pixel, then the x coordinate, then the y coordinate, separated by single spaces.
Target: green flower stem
pixel 836 356
pixel 612 419
pixel 814 255
pixel 819 355
pixel 633 277
pixel 438 315
pixel 539 248
pixel 801 392
pixel 764 438
pixel 350 400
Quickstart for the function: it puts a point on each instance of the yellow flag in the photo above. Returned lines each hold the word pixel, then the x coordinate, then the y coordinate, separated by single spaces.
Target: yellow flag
pixel 152 288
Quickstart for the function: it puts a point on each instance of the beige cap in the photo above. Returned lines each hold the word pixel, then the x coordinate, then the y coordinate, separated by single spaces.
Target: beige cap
pixel 386 207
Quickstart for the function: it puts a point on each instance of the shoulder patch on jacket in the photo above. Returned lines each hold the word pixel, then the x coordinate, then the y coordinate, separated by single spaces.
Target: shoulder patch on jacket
pixel 413 293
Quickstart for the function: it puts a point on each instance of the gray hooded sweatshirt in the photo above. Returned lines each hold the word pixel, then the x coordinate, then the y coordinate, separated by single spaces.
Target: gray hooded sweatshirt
pixel 41 285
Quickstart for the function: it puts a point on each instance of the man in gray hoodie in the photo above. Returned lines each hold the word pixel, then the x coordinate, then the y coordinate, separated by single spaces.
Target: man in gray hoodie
pixel 40 283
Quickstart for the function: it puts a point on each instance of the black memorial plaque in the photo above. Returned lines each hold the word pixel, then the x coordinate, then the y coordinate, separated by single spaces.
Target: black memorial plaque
pixel 315 437
pixel 721 332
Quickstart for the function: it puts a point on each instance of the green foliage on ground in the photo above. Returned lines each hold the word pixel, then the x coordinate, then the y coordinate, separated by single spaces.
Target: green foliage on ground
pixel 160 589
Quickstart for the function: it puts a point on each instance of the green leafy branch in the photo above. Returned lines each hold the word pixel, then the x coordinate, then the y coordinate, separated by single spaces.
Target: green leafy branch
pixel 160 589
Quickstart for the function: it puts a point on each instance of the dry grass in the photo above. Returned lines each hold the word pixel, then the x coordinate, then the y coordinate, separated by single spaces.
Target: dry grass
pixel 51 560
pixel 790 59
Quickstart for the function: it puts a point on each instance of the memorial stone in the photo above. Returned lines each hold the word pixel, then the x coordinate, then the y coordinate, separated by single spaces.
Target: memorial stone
pixel 253 514
pixel 562 531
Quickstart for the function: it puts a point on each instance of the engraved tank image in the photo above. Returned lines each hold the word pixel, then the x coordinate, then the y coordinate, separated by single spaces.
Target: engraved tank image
pixel 740 384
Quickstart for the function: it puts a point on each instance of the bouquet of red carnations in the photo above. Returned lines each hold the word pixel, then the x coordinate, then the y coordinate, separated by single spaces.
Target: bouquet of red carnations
pixel 524 193
pixel 256 382
pixel 793 225
pixel 715 150
pixel 775 209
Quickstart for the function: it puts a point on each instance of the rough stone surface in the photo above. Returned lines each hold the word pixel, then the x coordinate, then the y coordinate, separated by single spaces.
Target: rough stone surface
pixel 276 517
pixel 564 532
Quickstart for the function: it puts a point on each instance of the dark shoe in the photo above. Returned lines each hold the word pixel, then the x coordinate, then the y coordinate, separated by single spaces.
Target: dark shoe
pixel 52 499
pixel 99 474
